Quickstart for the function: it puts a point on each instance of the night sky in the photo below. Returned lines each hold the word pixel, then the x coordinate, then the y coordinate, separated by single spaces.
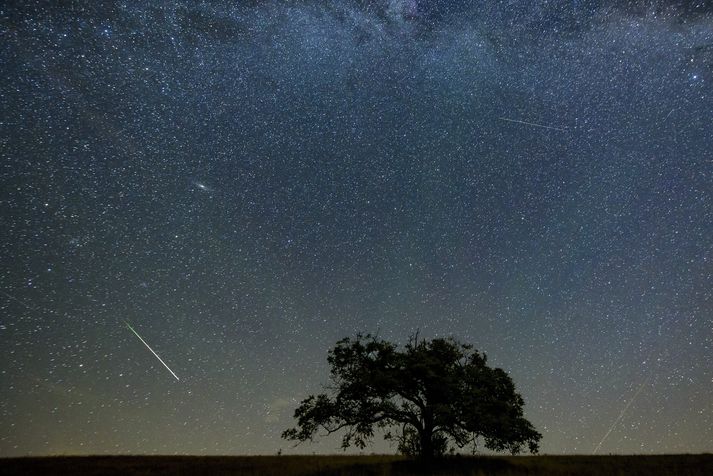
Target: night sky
pixel 247 182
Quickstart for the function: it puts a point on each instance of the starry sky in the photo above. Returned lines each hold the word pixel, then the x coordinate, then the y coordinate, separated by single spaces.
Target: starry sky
pixel 247 182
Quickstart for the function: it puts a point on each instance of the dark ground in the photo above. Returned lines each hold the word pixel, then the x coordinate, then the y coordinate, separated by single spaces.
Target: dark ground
pixel 358 465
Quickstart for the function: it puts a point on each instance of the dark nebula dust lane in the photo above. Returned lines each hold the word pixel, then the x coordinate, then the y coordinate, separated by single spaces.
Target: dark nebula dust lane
pixel 248 182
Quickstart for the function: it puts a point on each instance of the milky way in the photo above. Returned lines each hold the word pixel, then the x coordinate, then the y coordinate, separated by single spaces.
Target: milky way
pixel 248 182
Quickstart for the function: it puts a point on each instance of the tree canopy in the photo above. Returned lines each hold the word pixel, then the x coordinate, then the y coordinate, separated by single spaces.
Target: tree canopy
pixel 432 396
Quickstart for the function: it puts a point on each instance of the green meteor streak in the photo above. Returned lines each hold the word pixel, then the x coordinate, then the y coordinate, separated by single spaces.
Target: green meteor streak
pixel 152 351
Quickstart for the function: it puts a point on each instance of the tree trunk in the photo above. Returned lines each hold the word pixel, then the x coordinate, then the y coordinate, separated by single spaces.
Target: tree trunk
pixel 426 441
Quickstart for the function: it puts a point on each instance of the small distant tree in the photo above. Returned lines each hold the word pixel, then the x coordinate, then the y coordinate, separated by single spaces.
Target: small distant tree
pixel 432 395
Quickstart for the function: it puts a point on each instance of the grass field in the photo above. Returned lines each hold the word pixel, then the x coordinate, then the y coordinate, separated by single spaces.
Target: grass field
pixel 663 465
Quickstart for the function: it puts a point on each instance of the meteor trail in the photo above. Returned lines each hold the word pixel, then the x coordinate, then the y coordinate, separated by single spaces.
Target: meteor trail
pixel 621 415
pixel 149 348
pixel 533 124
pixel 18 300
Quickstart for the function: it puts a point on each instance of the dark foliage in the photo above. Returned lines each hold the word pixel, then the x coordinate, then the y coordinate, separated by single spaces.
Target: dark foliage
pixel 431 396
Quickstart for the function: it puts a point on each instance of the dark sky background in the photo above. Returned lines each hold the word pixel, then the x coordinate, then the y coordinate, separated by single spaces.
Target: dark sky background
pixel 246 183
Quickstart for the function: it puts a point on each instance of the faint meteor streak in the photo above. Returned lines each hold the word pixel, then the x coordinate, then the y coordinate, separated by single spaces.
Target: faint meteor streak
pixel 152 351
pixel 10 296
pixel 533 124
pixel 621 415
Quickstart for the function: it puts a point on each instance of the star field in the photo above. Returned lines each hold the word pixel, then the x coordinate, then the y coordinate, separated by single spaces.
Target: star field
pixel 245 183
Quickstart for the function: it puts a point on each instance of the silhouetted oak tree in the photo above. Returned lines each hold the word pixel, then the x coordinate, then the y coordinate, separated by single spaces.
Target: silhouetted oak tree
pixel 434 393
